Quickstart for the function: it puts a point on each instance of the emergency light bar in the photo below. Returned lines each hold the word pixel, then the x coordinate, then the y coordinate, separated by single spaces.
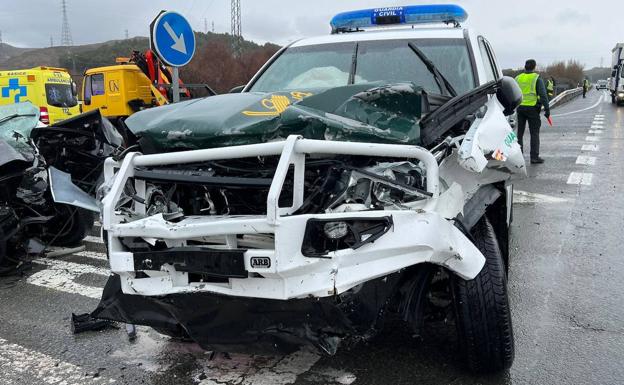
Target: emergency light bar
pixel 408 15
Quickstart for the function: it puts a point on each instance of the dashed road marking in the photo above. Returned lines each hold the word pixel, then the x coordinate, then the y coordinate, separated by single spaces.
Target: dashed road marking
pixel 596 132
pixel 580 178
pixel 93 255
pixel 590 147
pixel 248 370
pixel 24 362
pixel 522 197
pixel 61 275
pixel 92 239
pixel 592 139
pixel 597 126
pixel 586 160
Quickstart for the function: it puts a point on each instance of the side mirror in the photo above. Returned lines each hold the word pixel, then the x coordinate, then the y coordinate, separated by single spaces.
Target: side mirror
pixel 74 88
pixel 509 94
pixel 237 90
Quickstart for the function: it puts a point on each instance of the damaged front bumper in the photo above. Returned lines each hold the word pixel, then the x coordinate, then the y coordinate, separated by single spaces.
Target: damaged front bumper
pixel 263 278
pixel 282 269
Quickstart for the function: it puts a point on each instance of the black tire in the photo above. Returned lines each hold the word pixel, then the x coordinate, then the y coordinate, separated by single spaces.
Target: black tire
pixel 69 227
pixel 482 309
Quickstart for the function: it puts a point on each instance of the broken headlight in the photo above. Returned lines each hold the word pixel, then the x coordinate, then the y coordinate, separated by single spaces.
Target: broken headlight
pixel 323 236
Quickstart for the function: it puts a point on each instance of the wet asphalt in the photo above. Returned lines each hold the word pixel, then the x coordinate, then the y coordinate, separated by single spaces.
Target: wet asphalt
pixel 565 285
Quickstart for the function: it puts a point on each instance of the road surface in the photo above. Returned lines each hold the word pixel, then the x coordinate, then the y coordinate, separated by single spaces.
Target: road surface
pixel 566 290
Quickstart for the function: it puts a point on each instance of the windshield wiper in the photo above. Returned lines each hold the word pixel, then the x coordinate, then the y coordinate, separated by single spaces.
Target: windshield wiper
pixel 11 117
pixel 353 65
pixel 437 75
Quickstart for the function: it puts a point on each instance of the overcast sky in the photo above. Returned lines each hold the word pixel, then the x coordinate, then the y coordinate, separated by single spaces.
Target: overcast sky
pixel 546 30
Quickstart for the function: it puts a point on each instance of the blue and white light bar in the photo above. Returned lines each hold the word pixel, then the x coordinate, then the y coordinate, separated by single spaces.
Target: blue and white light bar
pixel 408 15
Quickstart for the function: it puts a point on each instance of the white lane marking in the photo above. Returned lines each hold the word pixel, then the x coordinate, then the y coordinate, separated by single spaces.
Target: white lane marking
pixel 522 197
pixel 592 139
pixel 586 160
pixel 600 115
pixel 250 370
pixel 60 275
pixel 590 147
pixel 92 239
pixel 19 363
pixel 580 178
pixel 595 132
pixel 93 255
pixel 584 109
pixel 600 126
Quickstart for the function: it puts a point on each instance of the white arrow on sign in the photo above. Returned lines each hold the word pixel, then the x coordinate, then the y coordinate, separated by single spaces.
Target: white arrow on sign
pixel 178 42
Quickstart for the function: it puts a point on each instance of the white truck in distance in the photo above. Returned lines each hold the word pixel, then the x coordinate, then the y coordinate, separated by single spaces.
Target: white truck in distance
pixel 616 84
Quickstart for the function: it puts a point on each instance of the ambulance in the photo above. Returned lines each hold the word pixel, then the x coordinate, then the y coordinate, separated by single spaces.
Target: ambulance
pixel 51 89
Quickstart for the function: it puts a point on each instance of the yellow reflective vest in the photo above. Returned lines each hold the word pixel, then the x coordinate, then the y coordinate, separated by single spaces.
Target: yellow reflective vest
pixel 528 85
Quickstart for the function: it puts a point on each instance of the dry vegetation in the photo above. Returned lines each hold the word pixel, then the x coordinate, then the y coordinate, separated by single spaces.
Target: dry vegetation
pixel 568 73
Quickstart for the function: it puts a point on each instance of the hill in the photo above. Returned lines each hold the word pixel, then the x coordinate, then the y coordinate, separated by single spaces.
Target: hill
pixel 598 73
pixel 214 63
pixel 7 51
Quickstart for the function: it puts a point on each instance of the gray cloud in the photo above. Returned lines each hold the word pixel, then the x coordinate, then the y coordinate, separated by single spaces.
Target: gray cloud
pixel 547 30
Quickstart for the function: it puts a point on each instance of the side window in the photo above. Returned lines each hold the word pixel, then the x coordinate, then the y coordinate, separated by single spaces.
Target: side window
pixel 97 84
pixel 497 71
pixel 87 90
pixel 490 74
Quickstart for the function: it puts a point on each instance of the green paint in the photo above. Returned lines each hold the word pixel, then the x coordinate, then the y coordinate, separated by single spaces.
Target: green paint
pixel 371 112
pixel 510 139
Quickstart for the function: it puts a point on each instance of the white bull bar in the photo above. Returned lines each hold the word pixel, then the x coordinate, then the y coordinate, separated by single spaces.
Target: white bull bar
pixel 292 151
pixel 418 236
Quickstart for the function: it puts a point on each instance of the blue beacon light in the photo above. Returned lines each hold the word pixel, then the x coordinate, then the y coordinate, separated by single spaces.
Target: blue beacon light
pixel 408 15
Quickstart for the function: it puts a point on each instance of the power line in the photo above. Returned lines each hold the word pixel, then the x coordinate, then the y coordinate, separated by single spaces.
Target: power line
pixel 66 37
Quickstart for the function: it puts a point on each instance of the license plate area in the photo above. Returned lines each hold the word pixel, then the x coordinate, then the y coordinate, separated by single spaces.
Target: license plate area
pixel 194 260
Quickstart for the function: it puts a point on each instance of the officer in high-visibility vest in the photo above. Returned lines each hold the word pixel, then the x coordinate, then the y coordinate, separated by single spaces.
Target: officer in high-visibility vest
pixel 586 86
pixel 550 88
pixel 534 97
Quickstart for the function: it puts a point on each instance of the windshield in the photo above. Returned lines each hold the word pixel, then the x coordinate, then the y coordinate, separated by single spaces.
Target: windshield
pixel 60 95
pixel 391 61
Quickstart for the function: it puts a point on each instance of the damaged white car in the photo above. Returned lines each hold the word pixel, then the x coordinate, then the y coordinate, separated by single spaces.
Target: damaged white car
pixel 325 197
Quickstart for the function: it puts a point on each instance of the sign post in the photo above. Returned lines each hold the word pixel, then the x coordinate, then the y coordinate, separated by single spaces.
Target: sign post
pixel 173 40
pixel 175 88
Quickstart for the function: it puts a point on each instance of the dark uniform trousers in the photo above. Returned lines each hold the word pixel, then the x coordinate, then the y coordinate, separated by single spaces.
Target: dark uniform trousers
pixel 532 116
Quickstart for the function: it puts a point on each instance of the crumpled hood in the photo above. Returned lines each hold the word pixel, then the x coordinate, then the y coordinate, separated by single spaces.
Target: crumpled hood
pixel 372 112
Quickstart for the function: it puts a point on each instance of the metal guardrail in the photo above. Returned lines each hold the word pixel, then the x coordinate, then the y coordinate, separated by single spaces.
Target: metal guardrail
pixel 565 96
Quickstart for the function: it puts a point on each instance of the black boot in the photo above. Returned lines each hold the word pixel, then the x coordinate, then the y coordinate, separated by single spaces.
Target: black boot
pixel 537 160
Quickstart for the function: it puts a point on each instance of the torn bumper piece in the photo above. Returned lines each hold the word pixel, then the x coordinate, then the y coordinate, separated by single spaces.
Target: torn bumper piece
pixel 256 325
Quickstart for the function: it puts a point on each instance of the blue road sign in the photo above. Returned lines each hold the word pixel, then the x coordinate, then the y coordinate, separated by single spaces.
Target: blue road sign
pixel 173 39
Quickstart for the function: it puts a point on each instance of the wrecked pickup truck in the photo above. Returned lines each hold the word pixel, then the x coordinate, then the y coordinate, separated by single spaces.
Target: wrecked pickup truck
pixel 358 177
pixel 48 179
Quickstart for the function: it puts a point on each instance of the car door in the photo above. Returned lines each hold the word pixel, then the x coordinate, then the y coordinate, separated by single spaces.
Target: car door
pixel 94 93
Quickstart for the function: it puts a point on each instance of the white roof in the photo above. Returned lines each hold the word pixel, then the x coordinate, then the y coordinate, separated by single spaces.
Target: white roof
pixel 385 34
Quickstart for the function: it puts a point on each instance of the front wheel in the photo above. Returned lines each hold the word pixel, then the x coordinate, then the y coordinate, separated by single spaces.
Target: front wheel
pixel 482 308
